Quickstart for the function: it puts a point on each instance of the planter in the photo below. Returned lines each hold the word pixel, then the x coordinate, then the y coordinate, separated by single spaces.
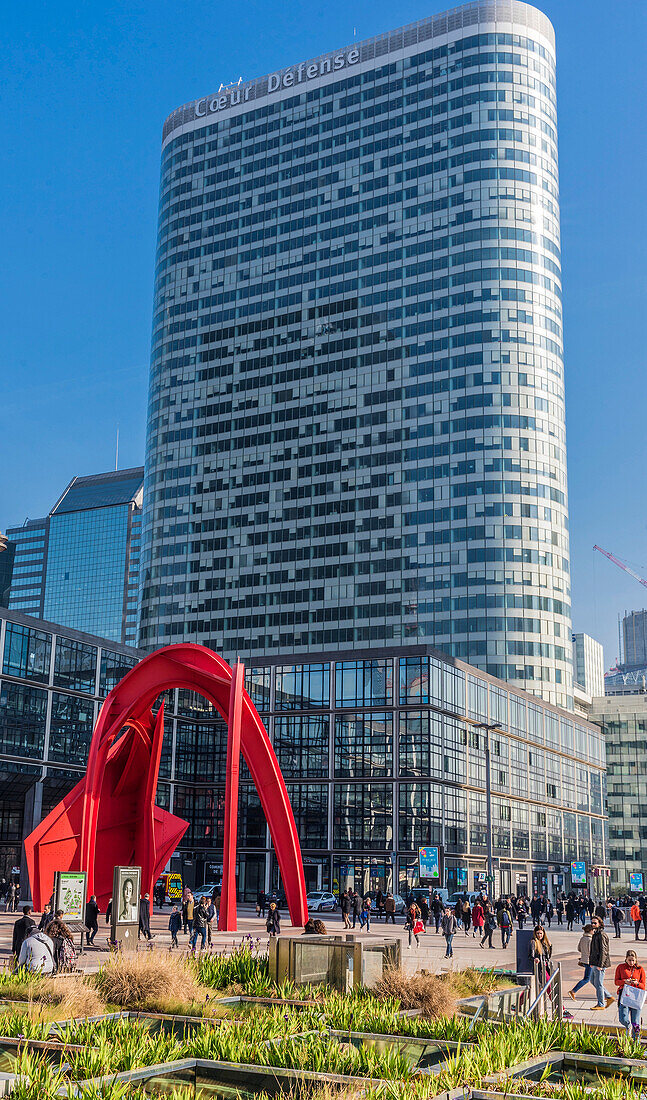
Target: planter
pixel 426 1055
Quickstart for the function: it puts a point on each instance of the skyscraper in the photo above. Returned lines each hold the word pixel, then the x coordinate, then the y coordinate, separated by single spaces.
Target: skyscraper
pixel 79 565
pixel 356 409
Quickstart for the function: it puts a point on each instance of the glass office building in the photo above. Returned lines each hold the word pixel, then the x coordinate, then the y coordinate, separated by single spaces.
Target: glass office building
pixel 52 683
pixel 79 566
pixel 356 408
pixel 623 721
pixel 383 752
pixel 28 573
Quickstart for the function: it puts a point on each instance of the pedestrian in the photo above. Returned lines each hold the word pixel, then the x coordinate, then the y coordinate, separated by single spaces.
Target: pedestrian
pixel 630 982
pixel 560 911
pixel 174 925
pixel 636 917
pixel 522 913
pixel 11 898
pixel 599 960
pixel 643 910
pixel 91 920
pixel 466 916
pixel 389 908
pixel 357 907
pixel 570 914
pixel 46 917
pixel 346 904
pixel 200 919
pixel 145 918
pixel 438 911
pixel 505 924
pixel 413 922
pixel 478 919
pixel 61 937
pixel 424 912
pixel 37 952
pixel 379 904
pixel 108 911
pixel 211 917
pixel 616 916
pixel 365 915
pixel 584 948
pixel 188 905
pixel 600 911
pixel 549 912
pixel 21 930
pixel 273 923
pixel 261 903
pixel 450 926
pixel 489 925
pixel 541 948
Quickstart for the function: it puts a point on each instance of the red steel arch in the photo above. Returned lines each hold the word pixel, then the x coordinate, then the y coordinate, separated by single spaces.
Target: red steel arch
pixel 110 817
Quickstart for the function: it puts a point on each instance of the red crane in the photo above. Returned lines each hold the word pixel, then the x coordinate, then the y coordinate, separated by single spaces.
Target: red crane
pixel 622 565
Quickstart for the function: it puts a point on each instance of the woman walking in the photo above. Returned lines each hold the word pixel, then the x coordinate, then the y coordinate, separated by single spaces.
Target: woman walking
pixel 541 949
pixel 273 923
pixel 489 925
pixel 478 919
pixel 630 982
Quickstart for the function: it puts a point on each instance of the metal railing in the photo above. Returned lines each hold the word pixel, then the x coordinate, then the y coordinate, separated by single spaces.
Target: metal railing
pixel 549 998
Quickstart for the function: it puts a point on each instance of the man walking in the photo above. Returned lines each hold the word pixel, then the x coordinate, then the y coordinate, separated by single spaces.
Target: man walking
pixel 21 930
pixel 616 917
pixel 389 908
pixel 91 922
pixel 636 917
pixel 200 920
pixel 145 917
pixel 357 907
pixel 450 924
pixel 599 960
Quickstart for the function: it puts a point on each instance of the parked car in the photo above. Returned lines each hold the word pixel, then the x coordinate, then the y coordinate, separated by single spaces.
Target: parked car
pixel 207 890
pixel 320 901
pixel 459 895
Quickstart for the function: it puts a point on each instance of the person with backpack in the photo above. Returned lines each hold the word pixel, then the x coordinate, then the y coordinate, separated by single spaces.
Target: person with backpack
pixel 617 916
pixel 365 914
pixel 584 948
pixel 450 926
pixel 505 924
pixel 599 960
pixel 200 920
pixel 37 953
pixel 489 917
pixel 61 937
pixel 174 925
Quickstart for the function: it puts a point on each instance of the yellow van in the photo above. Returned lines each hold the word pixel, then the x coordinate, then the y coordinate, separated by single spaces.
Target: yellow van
pixel 172 884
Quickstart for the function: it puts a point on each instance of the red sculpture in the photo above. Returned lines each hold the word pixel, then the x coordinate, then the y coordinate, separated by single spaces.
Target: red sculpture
pixel 110 817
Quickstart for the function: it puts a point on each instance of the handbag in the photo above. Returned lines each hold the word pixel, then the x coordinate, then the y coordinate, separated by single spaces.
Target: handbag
pixel 418 928
pixel 632 996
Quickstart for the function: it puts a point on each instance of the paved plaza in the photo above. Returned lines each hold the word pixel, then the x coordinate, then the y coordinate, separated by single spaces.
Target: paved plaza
pixel 429 955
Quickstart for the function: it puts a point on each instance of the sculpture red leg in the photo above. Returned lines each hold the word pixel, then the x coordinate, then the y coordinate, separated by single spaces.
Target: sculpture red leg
pixel 227 917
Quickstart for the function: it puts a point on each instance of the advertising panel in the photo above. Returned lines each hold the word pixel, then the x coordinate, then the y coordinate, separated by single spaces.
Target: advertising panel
pixel 69 895
pixel 636 882
pixel 127 895
pixel 429 864
pixel 578 872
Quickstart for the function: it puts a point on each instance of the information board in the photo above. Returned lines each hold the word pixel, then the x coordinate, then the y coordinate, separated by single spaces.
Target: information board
pixel 636 882
pixel 578 872
pixel 69 895
pixel 429 865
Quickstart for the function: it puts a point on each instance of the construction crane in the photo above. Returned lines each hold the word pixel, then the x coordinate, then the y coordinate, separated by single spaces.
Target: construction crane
pixel 622 565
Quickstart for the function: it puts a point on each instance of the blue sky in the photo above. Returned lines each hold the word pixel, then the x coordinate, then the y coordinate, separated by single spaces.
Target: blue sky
pixel 86 89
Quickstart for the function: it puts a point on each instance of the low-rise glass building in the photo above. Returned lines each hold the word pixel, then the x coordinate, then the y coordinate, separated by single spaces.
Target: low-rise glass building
pixel 382 751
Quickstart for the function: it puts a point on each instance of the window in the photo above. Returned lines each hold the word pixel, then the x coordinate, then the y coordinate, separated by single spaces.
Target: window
pixel 302 687
pixel 27 653
pixel 114 667
pixel 200 751
pixel 257 685
pixel 309 803
pixel 301 745
pixel 364 683
pixel 75 665
pixel 420 815
pixel 363 816
pixel 498 708
pixel 23 715
pixel 477 694
pixel 414 680
pixel 363 745
pixel 251 819
pixel 71 728
pixel 421 743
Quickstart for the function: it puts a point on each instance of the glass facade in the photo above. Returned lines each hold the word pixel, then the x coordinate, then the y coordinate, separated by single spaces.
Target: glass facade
pixel 52 683
pixel 623 720
pixel 356 402
pixel 79 566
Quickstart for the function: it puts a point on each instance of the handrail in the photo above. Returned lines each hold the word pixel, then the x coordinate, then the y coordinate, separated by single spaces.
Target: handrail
pixel 541 993
pixel 480 1008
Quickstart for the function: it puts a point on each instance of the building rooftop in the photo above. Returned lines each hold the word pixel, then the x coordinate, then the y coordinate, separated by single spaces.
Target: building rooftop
pixel 101 490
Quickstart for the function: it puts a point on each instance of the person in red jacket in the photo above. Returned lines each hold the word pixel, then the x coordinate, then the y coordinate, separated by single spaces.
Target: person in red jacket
pixel 630 973
pixel 478 918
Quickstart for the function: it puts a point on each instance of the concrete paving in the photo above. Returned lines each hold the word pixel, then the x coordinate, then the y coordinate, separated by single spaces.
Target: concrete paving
pixel 429 955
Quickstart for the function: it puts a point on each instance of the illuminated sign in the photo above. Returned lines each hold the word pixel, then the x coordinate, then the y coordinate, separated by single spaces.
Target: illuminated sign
pixel 429 864
pixel 636 882
pixel 578 873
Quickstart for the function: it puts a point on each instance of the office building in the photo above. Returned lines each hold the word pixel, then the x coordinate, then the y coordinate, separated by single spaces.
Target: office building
pixel 52 683
pixel 356 408
pixel 588 672
pixel 634 640
pixel 623 721
pixel 28 573
pixel 382 752
pixel 79 566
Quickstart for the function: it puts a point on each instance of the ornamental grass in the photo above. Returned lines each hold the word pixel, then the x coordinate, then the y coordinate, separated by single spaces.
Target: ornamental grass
pixel 147 980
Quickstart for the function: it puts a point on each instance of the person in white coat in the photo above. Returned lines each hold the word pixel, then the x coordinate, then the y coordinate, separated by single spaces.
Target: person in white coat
pixel 37 953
